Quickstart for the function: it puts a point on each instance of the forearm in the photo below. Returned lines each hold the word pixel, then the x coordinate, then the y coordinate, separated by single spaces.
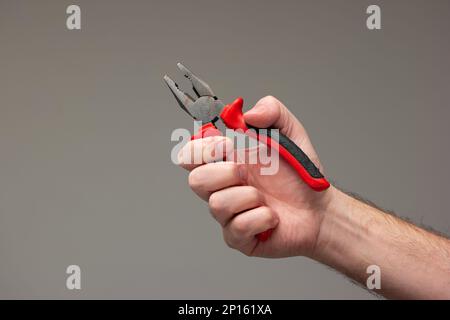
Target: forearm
pixel 414 263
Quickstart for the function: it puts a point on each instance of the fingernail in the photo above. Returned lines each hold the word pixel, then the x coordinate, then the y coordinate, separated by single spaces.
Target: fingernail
pixel 219 148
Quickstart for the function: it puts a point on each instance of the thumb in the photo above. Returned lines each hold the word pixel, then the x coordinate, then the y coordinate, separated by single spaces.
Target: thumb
pixel 270 112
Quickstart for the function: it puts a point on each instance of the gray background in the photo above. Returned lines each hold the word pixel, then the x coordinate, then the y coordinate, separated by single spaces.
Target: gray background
pixel 85 124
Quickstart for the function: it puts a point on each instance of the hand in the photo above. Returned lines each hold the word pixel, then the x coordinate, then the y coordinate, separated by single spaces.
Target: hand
pixel 330 226
pixel 246 203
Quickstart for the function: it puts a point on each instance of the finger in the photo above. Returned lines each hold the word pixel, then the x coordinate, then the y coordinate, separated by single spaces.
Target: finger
pixel 205 150
pixel 243 228
pixel 226 203
pixel 270 112
pixel 211 177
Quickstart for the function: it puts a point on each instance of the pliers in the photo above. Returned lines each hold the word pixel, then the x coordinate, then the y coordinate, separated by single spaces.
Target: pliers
pixel 216 117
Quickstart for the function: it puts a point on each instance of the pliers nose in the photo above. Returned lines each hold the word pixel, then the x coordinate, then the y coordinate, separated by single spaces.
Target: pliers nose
pixel 200 88
pixel 185 101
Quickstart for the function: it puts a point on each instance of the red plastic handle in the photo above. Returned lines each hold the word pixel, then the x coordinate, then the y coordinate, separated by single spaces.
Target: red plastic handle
pixel 206 130
pixel 233 118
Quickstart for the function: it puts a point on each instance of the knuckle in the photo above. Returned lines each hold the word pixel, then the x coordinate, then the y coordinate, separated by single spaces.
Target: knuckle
pixel 215 203
pixel 228 239
pixel 269 216
pixel 271 100
pixel 238 228
pixel 255 194
pixel 248 253
pixel 194 179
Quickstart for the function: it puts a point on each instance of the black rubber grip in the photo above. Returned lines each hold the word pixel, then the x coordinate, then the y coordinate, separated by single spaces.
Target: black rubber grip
pixel 292 148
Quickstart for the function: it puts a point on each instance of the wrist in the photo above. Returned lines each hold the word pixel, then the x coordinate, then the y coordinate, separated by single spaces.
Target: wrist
pixel 347 226
pixel 337 205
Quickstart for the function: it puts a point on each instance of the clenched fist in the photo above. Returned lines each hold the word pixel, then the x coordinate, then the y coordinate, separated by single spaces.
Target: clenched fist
pixel 246 203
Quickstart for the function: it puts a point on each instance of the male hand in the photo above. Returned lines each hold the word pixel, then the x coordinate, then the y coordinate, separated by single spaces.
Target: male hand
pixel 246 203
pixel 330 226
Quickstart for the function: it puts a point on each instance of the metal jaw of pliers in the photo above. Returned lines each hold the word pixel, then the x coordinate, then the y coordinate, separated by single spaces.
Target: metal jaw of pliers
pixel 206 108
pixel 216 117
